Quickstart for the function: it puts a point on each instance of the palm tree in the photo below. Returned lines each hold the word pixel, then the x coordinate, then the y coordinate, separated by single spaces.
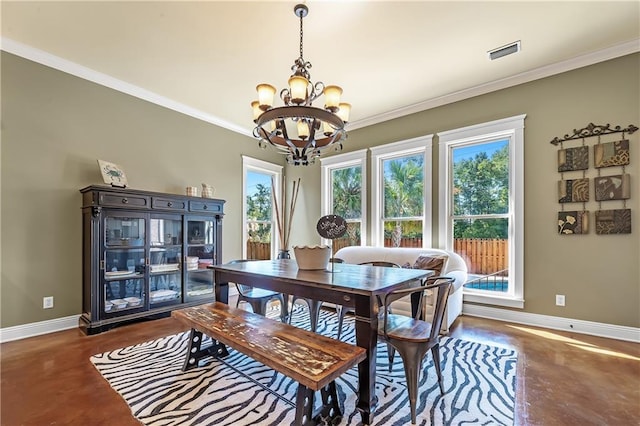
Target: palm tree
pixel 347 198
pixel 403 191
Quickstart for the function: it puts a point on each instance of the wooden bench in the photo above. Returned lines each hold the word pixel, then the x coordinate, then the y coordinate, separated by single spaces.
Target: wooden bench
pixel 312 360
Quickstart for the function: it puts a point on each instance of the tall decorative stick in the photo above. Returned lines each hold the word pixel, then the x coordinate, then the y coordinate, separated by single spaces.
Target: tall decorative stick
pixel 275 202
pixel 292 208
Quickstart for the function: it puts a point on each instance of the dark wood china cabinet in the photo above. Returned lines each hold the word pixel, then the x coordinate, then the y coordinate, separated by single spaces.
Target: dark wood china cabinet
pixel 145 254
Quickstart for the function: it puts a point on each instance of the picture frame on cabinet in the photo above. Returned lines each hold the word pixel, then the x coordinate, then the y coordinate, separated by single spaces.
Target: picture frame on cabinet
pixel 112 174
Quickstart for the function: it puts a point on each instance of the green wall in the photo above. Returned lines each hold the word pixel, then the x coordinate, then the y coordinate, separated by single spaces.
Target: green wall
pixel 599 275
pixel 55 126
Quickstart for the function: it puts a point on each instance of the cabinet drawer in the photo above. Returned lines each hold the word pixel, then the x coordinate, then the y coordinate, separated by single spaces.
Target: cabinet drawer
pixel 168 204
pixel 205 206
pixel 120 200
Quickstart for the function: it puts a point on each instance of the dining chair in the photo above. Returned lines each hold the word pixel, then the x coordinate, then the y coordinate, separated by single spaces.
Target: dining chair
pixel 342 310
pixel 258 298
pixel 412 337
pixel 313 305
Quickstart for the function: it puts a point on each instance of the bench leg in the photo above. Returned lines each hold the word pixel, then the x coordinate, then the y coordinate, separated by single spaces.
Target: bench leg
pixel 328 414
pixel 195 352
pixel 304 406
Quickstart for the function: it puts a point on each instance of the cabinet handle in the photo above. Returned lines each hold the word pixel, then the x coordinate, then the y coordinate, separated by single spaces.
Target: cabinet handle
pixel 125 201
pixel 205 207
pixel 169 204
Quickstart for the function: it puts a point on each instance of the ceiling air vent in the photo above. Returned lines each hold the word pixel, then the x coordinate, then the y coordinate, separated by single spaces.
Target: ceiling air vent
pixel 504 50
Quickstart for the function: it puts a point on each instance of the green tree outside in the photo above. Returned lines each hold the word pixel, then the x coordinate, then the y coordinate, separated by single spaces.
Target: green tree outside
pixel 481 187
pixel 347 200
pixel 403 196
pixel 259 210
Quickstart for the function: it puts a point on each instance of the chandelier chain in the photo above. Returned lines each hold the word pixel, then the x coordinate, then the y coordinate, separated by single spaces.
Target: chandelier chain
pixel 301 36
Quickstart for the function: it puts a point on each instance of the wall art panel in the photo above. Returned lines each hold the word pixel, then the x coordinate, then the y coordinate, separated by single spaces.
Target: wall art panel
pixel 573 190
pixel 573 222
pixel 613 221
pixel 570 159
pixel 615 187
pixel 611 154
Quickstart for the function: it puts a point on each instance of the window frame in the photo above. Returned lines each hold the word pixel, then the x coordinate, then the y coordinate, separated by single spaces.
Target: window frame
pixel 512 129
pixel 275 170
pixel 422 144
pixel 342 161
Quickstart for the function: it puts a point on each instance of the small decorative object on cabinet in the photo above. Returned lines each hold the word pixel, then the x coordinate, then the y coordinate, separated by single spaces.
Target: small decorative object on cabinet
pixel 145 254
pixel 112 174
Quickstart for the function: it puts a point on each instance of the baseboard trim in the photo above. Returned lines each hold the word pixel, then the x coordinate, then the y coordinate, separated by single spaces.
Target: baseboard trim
pixel 38 328
pixel 611 331
pixel 619 332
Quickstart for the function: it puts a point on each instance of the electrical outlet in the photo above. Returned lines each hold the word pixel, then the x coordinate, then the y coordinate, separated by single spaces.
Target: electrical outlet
pixel 47 302
pixel 559 299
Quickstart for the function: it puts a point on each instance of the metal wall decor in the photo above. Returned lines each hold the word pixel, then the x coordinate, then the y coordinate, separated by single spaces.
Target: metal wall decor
pixel 594 130
pixel 606 188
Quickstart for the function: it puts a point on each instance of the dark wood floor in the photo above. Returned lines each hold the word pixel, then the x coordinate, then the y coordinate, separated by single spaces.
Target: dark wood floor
pixel 563 379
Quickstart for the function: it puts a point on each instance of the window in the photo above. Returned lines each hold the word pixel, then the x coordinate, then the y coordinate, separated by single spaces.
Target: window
pixel 344 194
pixel 482 207
pixel 402 193
pixel 258 219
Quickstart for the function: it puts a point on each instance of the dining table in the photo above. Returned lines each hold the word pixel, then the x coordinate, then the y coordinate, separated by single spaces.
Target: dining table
pixel 357 286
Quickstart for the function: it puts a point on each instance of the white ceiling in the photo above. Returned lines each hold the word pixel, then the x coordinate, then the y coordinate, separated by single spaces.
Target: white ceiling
pixel 391 58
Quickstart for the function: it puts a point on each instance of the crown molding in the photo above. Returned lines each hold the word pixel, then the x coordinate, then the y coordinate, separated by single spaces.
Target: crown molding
pixel 55 62
pixel 622 49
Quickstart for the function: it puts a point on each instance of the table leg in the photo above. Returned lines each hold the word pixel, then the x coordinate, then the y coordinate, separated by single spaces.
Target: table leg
pixel 367 337
pixel 221 290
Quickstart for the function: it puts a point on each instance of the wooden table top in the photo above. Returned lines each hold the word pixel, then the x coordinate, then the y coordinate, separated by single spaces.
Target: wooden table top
pixel 355 279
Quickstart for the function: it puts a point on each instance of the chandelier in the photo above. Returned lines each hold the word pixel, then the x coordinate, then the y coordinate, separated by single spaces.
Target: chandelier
pixel 298 129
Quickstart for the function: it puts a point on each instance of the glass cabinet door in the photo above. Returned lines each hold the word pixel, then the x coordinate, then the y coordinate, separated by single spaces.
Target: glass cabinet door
pixel 165 261
pixel 200 254
pixel 124 264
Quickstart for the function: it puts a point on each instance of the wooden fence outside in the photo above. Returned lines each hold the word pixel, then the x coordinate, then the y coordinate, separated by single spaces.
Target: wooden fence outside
pixel 258 251
pixel 483 256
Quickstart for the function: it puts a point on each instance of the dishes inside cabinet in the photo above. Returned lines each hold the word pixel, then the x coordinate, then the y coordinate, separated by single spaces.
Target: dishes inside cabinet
pixel 133 301
pixel 162 295
pixel 119 303
pixel 112 274
pixel 192 263
pixel 167 267
pixel 108 306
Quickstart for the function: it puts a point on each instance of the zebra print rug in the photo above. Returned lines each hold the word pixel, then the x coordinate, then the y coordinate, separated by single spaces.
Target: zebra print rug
pixel 479 381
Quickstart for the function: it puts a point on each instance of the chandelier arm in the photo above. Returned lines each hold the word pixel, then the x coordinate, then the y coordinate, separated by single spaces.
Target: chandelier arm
pixel 317 90
pixel 285 95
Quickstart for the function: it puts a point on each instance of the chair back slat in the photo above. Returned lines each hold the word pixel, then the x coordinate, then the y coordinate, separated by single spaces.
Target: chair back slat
pixel 441 289
pixel 440 286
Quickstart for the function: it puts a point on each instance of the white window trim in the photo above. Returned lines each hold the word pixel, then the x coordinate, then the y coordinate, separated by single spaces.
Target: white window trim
pixel 422 144
pixel 341 161
pixel 513 129
pixel 260 166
